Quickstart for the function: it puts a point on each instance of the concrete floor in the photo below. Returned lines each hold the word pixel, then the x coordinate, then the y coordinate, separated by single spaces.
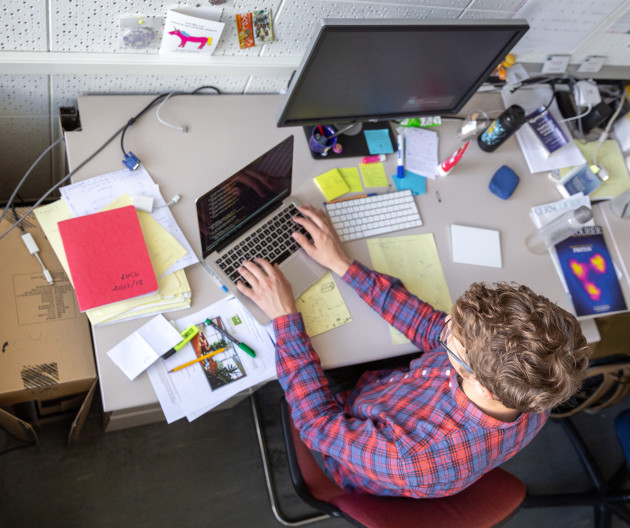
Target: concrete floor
pixel 209 473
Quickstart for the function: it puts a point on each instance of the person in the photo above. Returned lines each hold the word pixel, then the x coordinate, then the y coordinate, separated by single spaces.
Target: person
pixel 480 391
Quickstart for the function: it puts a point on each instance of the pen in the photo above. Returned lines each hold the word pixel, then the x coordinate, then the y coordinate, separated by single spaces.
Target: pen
pixel 187 334
pixel 214 277
pixel 401 156
pixel 240 345
pixel 350 198
pixel 197 360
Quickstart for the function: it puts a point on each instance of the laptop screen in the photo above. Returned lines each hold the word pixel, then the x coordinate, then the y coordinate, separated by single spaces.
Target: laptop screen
pixel 227 211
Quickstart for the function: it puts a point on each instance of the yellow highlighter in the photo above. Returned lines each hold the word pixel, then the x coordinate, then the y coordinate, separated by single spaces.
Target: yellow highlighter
pixel 187 335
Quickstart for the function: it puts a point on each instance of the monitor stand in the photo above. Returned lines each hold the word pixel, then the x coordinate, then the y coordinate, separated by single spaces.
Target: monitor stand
pixel 353 145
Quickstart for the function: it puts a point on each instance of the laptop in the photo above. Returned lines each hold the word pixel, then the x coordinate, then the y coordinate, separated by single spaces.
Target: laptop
pixel 250 214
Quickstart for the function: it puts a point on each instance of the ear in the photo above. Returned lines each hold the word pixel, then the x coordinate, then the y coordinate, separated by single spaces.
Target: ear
pixel 481 390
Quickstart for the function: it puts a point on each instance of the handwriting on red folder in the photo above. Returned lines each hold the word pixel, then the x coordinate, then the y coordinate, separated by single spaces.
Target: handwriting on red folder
pixel 107 257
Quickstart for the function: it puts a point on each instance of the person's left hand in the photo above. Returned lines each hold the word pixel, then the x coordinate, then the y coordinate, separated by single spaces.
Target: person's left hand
pixel 270 289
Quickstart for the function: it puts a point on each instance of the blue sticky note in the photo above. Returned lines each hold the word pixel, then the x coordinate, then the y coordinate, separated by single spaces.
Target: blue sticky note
pixel 413 181
pixel 378 141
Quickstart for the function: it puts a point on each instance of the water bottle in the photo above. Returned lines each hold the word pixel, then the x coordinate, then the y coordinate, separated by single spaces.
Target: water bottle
pixel 501 128
pixel 558 229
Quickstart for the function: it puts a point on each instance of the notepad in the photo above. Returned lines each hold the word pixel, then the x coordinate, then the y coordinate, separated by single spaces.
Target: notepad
pixel 331 184
pixel 474 245
pixel 107 257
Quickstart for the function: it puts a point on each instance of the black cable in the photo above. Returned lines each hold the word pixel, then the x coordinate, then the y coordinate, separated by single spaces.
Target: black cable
pixel 197 90
pixel 122 130
pixel 136 117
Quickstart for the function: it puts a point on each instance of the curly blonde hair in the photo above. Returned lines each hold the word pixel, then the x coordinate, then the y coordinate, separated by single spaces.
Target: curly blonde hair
pixel 530 353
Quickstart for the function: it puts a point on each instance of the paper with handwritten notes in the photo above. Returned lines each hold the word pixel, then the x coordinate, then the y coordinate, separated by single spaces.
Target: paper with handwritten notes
pixel 322 307
pixel 414 260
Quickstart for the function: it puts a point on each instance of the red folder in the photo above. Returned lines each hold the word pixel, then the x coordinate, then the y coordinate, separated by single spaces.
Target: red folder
pixel 107 257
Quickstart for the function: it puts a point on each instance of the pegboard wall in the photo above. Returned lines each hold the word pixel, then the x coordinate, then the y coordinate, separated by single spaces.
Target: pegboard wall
pixel 29 103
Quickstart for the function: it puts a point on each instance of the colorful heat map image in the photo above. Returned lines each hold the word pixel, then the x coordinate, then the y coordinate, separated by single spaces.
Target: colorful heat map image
pixel 590 274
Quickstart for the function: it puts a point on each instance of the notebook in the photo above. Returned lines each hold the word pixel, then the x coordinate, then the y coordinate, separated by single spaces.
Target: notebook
pixel 107 257
pixel 244 205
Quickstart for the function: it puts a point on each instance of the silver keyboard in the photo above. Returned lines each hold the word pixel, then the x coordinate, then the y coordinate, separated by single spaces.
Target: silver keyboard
pixel 374 215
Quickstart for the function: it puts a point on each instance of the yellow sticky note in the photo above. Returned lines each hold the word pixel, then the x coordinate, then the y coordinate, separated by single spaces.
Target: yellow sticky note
pixel 322 307
pixel 351 176
pixel 374 175
pixel 331 184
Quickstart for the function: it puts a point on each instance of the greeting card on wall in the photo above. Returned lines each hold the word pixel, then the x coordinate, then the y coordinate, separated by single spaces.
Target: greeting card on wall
pixel 192 30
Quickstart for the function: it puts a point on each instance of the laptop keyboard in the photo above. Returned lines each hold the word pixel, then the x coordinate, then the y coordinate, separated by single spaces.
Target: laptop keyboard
pixel 271 241
pixel 374 215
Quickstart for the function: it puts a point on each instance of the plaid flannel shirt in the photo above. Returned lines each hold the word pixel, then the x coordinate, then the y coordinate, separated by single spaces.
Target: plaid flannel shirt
pixel 408 432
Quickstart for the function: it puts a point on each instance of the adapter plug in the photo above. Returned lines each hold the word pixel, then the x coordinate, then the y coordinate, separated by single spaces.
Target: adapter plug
pixel 586 93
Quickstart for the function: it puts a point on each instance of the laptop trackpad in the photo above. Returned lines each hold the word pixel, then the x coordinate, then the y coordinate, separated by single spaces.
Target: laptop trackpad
pixel 302 272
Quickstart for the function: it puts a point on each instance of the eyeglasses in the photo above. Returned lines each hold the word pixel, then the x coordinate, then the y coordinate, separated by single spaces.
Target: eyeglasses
pixel 446 331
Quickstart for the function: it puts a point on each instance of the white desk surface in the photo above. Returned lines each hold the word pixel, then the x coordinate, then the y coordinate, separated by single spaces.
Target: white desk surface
pixel 226 132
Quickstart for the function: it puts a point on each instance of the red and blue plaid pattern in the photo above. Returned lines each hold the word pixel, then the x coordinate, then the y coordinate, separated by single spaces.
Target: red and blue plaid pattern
pixel 409 432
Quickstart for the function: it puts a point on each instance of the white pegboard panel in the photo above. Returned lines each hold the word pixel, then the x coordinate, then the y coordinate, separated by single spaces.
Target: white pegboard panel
pixel 23 25
pixel 23 95
pixel 510 6
pixel 298 19
pixel 614 46
pixel 267 85
pixel 66 88
pixel 93 25
pixel 23 140
pixel 478 14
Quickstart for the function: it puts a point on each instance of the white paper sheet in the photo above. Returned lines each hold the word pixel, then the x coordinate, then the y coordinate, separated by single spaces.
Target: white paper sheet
pixel 137 352
pixel 421 151
pixel 199 388
pixel 91 195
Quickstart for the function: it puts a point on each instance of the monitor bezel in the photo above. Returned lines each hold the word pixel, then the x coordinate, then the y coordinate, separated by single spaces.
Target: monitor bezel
pixel 519 26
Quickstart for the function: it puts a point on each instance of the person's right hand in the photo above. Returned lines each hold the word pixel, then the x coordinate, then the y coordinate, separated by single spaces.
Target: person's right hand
pixel 325 247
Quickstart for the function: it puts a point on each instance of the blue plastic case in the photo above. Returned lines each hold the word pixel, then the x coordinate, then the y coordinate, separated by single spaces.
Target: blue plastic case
pixel 504 182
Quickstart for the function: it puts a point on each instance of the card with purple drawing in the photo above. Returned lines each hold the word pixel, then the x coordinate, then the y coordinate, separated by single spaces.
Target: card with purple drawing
pixel 192 30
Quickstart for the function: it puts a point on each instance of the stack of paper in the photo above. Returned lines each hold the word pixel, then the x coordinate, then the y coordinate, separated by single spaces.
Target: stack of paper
pixel 168 249
pixel 196 389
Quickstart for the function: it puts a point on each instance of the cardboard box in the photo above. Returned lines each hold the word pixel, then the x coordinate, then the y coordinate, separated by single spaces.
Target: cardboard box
pixel 46 346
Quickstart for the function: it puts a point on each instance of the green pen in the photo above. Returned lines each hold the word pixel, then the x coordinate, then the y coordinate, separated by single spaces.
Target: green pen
pixel 240 345
pixel 187 335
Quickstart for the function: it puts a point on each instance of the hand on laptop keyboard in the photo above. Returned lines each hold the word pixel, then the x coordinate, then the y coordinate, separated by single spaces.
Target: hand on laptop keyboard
pixel 324 245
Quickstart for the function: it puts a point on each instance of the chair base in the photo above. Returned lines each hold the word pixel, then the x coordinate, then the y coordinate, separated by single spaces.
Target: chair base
pixel 275 507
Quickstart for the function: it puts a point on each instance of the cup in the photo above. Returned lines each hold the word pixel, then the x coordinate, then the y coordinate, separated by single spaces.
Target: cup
pixel 620 205
pixel 321 144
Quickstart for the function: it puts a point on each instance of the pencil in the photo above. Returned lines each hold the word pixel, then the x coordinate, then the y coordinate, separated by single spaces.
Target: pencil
pixel 197 360
pixel 350 198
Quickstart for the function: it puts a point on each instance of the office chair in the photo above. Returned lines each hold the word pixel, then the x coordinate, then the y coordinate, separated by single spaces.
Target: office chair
pixel 490 500
pixel 606 496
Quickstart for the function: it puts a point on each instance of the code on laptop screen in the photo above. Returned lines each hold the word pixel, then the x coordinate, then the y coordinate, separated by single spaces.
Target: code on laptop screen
pixel 227 211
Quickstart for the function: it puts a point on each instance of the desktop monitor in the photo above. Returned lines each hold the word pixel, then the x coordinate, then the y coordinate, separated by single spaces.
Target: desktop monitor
pixel 364 70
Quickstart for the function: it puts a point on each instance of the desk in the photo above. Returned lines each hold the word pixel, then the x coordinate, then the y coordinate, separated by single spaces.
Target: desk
pixel 228 131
